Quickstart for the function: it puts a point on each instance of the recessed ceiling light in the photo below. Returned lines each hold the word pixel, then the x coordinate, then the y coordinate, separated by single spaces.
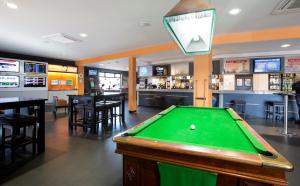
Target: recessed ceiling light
pixel 285 45
pixel 11 5
pixel 144 24
pixel 235 11
pixel 83 34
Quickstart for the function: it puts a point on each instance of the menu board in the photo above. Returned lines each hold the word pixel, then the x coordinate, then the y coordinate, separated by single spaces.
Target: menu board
pixel 292 64
pixel 30 81
pixel 267 65
pixel 60 68
pixel 160 70
pixel 35 68
pixel 145 71
pixel 9 65
pixel 9 81
pixel 237 66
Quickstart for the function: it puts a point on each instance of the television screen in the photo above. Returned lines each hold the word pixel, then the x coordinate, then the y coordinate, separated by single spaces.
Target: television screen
pixel 54 82
pixel 9 65
pixel 93 72
pixel 34 81
pixel 267 65
pixel 9 81
pixel 145 71
pixel 36 68
pixel 160 70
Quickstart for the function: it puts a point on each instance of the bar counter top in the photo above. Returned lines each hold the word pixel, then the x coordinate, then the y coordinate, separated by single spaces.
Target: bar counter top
pixel 166 90
pixel 250 92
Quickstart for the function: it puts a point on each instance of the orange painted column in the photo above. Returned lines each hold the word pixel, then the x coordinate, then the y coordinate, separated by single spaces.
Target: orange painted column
pixel 202 71
pixel 80 80
pixel 132 105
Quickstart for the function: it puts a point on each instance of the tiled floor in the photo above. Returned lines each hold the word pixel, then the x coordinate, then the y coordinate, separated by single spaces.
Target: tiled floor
pixel 90 160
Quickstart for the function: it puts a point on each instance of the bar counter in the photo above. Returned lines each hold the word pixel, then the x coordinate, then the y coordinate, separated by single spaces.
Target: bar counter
pixel 164 98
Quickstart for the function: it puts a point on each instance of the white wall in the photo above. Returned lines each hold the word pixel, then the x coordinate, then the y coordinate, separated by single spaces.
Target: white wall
pixel 260 82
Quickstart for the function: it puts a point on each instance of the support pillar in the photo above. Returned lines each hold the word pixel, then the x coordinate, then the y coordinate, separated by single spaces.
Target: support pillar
pixel 132 106
pixel 202 71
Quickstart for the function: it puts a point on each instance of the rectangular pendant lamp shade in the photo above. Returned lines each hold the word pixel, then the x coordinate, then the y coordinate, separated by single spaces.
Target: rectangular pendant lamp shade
pixel 191 24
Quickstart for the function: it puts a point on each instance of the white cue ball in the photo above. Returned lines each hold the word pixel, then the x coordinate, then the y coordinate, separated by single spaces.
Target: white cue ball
pixel 193 127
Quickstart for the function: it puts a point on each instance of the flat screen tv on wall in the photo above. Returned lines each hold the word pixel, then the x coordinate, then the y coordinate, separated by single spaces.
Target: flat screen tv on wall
pixel 34 81
pixel 35 68
pixel 267 65
pixel 9 65
pixel 93 72
pixel 9 81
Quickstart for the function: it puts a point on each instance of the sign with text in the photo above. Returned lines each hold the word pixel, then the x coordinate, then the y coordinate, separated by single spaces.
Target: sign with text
pixel 292 64
pixel 60 68
pixel 237 66
pixel 9 65
pixel 9 81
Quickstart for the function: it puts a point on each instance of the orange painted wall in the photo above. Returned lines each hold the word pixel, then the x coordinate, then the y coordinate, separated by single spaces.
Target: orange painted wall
pixel 65 77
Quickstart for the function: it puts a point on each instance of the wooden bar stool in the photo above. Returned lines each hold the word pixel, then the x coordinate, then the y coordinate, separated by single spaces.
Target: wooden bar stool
pixel 18 124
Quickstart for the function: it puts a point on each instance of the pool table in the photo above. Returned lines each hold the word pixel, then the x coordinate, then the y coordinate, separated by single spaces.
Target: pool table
pixel 216 141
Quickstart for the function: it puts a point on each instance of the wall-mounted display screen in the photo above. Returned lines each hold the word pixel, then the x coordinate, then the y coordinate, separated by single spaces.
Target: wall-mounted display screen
pixel 93 72
pixel 145 71
pixel 54 82
pixel 267 65
pixel 34 81
pixel 160 70
pixel 9 65
pixel 35 68
pixel 9 81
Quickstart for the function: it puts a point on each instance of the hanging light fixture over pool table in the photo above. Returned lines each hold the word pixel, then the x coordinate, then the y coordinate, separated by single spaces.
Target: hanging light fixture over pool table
pixel 191 24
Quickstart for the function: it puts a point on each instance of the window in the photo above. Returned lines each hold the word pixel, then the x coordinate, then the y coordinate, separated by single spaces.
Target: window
pixel 111 81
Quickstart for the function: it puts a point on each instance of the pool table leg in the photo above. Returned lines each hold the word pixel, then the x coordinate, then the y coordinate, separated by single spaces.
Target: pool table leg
pixel 137 172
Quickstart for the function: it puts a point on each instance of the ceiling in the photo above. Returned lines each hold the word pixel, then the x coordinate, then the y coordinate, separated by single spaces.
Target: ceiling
pixel 114 25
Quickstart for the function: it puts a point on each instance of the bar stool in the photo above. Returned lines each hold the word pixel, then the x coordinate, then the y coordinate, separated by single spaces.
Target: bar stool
pixel 85 119
pixel 274 109
pixel 279 111
pixel 239 106
pixel 114 114
pixel 16 123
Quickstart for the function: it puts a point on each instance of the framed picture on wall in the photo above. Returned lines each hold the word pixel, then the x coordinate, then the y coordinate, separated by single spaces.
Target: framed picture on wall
pixel 248 82
pixel 239 82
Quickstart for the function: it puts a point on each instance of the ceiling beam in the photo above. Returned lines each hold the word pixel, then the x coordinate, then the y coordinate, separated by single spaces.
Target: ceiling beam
pixel 234 38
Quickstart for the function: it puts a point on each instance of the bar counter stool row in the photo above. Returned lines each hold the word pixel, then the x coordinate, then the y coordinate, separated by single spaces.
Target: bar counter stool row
pixel 18 131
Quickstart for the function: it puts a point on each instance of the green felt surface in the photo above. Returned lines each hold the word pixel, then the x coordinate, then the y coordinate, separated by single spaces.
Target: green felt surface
pixel 215 128
pixel 171 175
